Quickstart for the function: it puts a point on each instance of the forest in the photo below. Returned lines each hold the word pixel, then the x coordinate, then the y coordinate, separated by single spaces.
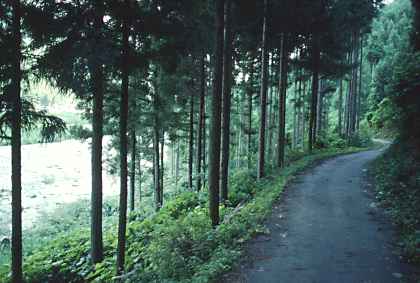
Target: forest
pixel 204 112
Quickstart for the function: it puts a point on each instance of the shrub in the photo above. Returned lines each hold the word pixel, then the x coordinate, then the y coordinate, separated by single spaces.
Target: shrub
pixel 79 132
pixel 397 182
pixel 241 186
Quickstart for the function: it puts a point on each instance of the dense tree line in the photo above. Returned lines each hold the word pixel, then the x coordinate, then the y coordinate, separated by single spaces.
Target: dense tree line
pixel 213 85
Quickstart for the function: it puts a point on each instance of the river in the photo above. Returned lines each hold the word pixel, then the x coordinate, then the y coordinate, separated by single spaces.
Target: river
pixel 52 175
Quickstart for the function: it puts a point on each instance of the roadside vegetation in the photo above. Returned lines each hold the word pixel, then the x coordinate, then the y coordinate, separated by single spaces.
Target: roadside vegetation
pixel 396 176
pixel 395 115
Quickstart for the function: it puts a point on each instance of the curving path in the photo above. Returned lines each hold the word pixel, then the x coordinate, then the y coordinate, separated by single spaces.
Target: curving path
pixel 326 228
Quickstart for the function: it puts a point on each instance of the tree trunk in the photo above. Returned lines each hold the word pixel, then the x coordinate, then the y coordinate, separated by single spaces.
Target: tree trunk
pixel 122 223
pixel 314 99
pixel 359 101
pixel 214 147
pixel 239 150
pixel 299 109
pixel 191 144
pixel 205 146
pixel 270 115
pixel 133 170
pixel 355 85
pixel 172 159
pixel 319 109
pixel 352 101
pixel 263 95
pixel 340 107
pixel 17 275
pixel 346 106
pixel 97 135
pixel 250 98
pixel 353 89
pixel 281 141
pixel 140 176
pixel 162 166
pixel 201 121
pixel 304 112
pixel 226 98
pixel 295 112
pixel 156 159
pixel 177 165
pixel 205 143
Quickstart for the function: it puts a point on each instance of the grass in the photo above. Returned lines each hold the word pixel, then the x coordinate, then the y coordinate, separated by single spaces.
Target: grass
pixel 177 244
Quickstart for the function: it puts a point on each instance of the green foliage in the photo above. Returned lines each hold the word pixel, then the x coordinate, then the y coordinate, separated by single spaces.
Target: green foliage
pixel 335 141
pixel 79 132
pixel 359 140
pixel 384 119
pixel 242 186
pixel 397 183
pixel 394 99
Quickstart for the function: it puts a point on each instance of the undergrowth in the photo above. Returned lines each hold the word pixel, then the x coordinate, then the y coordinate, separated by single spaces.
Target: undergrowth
pixel 177 244
pixel 397 182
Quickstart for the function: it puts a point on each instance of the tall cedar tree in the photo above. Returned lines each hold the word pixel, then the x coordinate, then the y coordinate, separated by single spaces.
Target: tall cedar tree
pixel 263 95
pixel 214 146
pixel 17 275
pixel 201 121
pixel 314 94
pixel 227 87
pixel 97 135
pixel 191 143
pixel 133 168
pixel 282 89
pixel 123 142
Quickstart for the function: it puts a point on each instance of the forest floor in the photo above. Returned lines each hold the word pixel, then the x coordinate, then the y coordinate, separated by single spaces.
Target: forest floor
pixel 327 227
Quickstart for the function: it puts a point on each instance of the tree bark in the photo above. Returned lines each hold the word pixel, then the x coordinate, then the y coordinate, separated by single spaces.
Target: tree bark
pixel 226 98
pixel 122 223
pixel 271 113
pixel 352 99
pixel 304 112
pixel 355 84
pixel 205 142
pixel 319 109
pixel 172 160
pixel 299 109
pixel 140 175
pixel 263 95
pixel 162 166
pixel 295 111
pixel 250 98
pixel 191 144
pixel 340 107
pixel 314 99
pixel 205 145
pixel 359 101
pixel 97 124
pixel 177 161
pixel 281 141
pixel 241 113
pixel 17 275
pixel 201 122
pixel 133 170
pixel 156 159
pixel 214 147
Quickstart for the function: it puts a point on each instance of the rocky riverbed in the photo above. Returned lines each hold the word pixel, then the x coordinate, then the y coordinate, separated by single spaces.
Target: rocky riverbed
pixel 52 175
